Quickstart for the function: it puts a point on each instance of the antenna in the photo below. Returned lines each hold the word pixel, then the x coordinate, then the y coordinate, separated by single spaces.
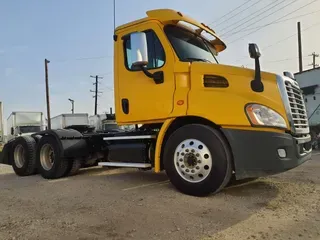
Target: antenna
pixel 114 15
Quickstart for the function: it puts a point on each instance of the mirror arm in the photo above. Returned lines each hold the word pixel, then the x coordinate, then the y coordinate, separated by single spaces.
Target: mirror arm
pixel 157 77
pixel 256 84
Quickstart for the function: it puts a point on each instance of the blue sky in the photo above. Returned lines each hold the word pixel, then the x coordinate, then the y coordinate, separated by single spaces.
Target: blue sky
pixel 76 36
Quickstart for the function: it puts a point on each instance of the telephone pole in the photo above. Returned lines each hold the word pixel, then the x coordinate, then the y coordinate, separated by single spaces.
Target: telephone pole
pixel 46 61
pixel 300 47
pixel 96 93
pixel 314 56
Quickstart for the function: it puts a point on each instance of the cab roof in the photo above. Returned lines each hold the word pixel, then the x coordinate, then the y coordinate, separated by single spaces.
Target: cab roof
pixel 169 16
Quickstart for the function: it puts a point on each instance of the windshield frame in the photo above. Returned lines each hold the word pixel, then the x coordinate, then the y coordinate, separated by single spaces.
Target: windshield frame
pixel 207 44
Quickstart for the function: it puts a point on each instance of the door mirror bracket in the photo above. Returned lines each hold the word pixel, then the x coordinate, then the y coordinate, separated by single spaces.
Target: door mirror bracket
pixel 157 77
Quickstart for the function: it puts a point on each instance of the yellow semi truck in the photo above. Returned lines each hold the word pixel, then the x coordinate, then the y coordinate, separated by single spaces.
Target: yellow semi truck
pixel 202 122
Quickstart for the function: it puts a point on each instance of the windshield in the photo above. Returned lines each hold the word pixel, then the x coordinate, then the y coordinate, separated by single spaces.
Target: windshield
pixel 188 46
pixel 29 129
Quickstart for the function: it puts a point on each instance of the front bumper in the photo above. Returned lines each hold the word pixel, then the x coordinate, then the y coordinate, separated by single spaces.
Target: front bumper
pixel 255 153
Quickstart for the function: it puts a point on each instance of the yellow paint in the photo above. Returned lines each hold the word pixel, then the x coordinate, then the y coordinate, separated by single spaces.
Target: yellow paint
pixel 183 81
pixel 160 138
pixel 226 106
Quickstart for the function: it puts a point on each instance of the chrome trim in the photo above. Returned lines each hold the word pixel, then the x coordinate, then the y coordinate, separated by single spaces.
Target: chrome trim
pixel 129 137
pixel 281 82
pixel 122 164
pixel 302 140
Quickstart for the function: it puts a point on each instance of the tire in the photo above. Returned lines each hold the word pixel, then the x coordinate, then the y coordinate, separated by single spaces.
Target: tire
pixel 24 156
pixel 50 163
pixel 37 138
pixel 74 167
pixel 204 163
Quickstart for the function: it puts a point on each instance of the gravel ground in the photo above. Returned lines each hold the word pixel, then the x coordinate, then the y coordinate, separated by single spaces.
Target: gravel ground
pixel 129 204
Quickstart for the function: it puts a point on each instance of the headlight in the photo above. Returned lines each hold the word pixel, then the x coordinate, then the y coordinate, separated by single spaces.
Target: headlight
pixel 260 115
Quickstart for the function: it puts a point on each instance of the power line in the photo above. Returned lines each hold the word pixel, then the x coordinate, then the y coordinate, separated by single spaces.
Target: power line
pixel 96 93
pixel 263 17
pixel 274 21
pixel 286 38
pixel 281 21
pixel 217 20
pixel 282 40
pixel 283 60
pixel 82 58
pixel 227 20
pixel 257 14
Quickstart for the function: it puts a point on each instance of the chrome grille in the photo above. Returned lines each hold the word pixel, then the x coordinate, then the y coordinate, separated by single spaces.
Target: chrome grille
pixel 297 107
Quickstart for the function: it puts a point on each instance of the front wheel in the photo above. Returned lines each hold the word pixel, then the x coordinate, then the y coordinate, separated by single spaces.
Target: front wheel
pixel 197 160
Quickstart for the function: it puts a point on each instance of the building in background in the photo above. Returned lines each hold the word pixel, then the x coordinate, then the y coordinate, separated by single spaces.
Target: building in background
pixel 309 81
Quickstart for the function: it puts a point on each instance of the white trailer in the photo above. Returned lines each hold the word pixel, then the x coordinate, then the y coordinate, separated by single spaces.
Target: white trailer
pixel 24 123
pixel 68 119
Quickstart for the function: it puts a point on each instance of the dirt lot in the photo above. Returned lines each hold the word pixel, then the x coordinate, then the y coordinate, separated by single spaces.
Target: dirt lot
pixel 128 204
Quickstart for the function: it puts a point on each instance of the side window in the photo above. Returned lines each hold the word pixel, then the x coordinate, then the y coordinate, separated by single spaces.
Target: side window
pixel 156 54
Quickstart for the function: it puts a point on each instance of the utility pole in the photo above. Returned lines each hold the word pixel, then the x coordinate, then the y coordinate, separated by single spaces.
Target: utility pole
pixel 72 105
pixel 300 48
pixel 46 61
pixel 96 93
pixel 114 15
pixel 314 56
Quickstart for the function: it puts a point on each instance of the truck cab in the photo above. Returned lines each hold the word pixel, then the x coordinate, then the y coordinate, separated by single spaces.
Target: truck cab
pixel 24 124
pixel 203 122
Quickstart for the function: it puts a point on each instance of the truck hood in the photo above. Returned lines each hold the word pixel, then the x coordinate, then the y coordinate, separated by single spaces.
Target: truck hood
pixel 222 70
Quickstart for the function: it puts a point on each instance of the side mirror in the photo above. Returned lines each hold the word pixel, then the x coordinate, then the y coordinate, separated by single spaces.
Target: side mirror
pixel 256 84
pixel 12 131
pixel 254 51
pixel 139 49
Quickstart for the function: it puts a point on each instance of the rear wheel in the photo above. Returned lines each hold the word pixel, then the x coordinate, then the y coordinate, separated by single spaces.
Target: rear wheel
pixel 24 156
pixel 74 167
pixel 197 160
pixel 50 163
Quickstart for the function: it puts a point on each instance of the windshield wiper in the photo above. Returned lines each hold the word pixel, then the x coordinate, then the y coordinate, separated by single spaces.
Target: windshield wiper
pixel 197 59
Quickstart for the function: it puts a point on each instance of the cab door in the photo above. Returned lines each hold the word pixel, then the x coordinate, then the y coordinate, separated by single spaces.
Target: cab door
pixel 139 98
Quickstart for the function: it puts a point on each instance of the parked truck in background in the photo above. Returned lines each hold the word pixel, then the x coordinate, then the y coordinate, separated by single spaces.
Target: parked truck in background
pixel 104 123
pixel 24 123
pixel 67 120
pixel 202 122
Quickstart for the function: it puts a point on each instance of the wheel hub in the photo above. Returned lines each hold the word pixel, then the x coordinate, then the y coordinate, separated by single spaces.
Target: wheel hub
pixel 47 157
pixel 18 155
pixel 190 160
pixel 193 160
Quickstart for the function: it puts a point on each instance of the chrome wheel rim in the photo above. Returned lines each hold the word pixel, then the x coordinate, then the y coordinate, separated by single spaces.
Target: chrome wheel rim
pixel 19 159
pixel 47 157
pixel 193 160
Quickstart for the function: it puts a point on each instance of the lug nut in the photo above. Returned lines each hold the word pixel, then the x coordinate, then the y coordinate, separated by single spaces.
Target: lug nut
pixel 187 170
pixel 187 150
pixel 182 166
pixel 192 150
pixel 197 167
pixel 198 155
pixel 199 161
pixel 192 171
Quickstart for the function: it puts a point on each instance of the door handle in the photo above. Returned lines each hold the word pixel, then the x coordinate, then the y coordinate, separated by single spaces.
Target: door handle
pixel 125 105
